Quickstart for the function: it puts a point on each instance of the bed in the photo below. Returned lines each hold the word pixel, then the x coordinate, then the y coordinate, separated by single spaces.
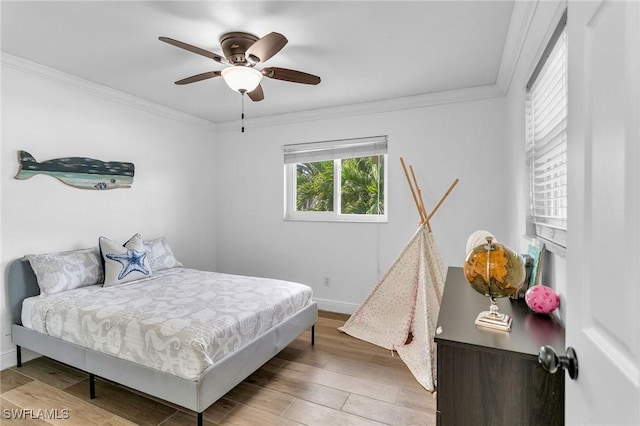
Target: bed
pixel 182 335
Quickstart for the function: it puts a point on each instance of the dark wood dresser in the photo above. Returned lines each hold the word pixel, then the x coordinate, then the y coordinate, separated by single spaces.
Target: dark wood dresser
pixel 490 377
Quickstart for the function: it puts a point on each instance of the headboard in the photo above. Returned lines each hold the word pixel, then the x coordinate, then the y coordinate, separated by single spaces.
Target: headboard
pixel 22 284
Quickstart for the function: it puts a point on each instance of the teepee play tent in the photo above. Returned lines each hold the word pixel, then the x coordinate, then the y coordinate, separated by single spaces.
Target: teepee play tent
pixel 401 311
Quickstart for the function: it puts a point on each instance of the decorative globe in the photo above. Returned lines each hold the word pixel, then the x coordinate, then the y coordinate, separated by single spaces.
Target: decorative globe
pixel 494 270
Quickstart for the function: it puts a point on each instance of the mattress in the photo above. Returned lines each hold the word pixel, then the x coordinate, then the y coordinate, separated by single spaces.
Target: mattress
pixel 27 308
pixel 179 321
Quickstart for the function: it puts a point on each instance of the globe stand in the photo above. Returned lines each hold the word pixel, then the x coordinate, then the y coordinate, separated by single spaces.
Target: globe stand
pixel 493 319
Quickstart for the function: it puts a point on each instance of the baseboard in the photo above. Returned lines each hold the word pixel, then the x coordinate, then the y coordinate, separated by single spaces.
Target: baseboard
pixel 9 359
pixel 335 306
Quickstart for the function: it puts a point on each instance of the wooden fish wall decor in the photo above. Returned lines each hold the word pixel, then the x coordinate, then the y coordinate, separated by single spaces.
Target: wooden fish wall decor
pixel 80 172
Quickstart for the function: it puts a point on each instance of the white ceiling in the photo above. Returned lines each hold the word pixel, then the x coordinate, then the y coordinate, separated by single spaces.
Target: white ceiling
pixel 364 51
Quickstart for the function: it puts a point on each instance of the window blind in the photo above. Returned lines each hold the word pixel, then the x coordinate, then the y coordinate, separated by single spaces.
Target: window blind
pixel 332 150
pixel 546 138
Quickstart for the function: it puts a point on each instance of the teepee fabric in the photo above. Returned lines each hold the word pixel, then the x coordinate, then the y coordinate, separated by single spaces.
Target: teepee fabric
pixel 406 301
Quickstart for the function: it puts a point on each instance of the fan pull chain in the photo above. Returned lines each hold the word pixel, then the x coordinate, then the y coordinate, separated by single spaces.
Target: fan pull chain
pixel 242 115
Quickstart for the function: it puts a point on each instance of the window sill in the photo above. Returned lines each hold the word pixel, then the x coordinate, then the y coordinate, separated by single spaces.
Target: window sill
pixel 341 219
pixel 549 246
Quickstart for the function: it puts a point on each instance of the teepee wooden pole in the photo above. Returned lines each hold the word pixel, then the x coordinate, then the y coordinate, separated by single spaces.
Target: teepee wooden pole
pixel 413 193
pixel 421 210
pixel 455 182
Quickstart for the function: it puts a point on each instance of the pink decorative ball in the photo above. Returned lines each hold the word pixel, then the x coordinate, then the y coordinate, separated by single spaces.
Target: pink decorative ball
pixel 542 299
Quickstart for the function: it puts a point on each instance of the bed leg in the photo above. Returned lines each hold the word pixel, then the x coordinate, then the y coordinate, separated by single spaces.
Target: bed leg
pixel 199 419
pixel 313 334
pixel 92 386
pixel 19 355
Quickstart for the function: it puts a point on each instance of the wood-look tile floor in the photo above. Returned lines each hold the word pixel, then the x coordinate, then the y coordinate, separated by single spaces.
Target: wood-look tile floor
pixel 339 381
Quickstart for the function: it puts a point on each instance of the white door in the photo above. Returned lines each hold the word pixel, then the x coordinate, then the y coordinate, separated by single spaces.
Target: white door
pixel 603 256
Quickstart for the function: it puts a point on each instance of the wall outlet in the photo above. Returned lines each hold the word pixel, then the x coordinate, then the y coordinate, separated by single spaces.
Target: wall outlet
pixel 327 282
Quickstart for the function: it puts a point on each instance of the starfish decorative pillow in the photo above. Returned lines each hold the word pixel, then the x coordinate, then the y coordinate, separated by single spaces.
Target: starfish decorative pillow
pixel 124 263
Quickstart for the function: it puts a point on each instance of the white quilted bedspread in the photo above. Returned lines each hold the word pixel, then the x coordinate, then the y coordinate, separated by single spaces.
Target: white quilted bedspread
pixel 179 321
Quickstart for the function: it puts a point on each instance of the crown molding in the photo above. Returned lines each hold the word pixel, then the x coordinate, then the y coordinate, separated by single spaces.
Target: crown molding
pixel 396 104
pixel 76 83
pixel 366 108
pixel 521 18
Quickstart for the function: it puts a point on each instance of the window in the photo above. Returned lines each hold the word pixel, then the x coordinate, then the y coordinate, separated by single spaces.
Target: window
pixel 342 180
pixel 546 138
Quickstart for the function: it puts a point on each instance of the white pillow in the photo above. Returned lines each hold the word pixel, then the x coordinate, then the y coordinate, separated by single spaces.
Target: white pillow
pixel 58 272
pixel 160 255
pixel 124 263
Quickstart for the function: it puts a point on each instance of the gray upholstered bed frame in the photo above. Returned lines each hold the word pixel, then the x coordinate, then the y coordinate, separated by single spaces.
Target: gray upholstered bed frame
pixel 215 381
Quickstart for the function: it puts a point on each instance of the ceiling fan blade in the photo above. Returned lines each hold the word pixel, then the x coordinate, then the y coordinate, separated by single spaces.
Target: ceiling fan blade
pixel 256 94
pixel 194 49
pixel 199 77
pixel 265 47
pixel 290 75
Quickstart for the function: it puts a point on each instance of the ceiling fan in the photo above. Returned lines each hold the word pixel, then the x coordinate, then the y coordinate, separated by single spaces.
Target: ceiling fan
pixel 243 51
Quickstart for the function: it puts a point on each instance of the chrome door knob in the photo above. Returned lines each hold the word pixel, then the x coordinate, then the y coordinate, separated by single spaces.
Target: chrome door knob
pixel 551 362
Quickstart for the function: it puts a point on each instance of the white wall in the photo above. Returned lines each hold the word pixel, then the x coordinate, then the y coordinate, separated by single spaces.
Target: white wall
pixel 462 140
pixel 52 115
pixel 544 20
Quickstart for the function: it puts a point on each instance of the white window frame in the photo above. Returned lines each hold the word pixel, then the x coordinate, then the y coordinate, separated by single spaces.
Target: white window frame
pixel 546 145
pixel 335 150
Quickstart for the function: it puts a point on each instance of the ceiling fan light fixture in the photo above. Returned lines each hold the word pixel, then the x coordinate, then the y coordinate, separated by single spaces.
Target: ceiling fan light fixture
pixel 241 79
